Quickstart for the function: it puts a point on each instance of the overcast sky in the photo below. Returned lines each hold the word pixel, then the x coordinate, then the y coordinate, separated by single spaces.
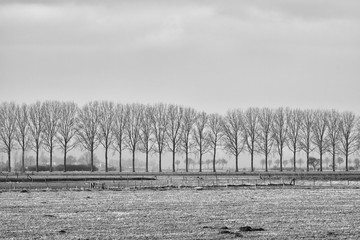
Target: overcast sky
pixel 211 55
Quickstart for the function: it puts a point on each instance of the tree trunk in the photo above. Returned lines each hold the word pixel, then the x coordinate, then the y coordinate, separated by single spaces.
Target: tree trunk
pixel 23 160
pixel 133 159
pixel 120 160
pixel 321 161
pixel 186 160
pixel 37 158
pixel 294 159
pixel 252 156
pixel 346 160
pixel 173 157
pixel 65 151
pixel 236 163
pixel 159 161
pixel 281 160
pixel 333 160
pixel 9 160
pixel 200 162
pixel 214 160
pixel 106 159
pixel 51 153
pixel 307 161
pixel 266 162
pixel 92 159
pixel 146 161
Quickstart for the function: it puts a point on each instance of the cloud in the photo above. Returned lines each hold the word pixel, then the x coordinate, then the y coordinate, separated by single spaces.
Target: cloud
pixel 317 10
pixel 207 52
pixel 130 24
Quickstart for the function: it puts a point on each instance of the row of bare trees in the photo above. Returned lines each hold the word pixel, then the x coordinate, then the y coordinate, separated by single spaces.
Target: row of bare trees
pixel 321 131
pixel 161 127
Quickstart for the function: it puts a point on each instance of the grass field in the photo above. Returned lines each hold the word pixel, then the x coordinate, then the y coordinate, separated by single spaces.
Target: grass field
pixel 181 214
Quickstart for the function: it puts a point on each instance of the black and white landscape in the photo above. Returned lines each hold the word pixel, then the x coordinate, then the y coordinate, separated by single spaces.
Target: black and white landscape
pixel 179 119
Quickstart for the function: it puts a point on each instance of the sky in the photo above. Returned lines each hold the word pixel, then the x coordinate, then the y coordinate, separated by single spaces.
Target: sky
pixel 211 55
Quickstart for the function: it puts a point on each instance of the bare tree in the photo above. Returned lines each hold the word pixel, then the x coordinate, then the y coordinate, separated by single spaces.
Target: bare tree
pixel 50 123
pixel 88 128
pixel 67 127
pixel 333 135
pixel 146 134
pixel 215 135
pixel 233 134
pixel 250 124
pixel 175 116
pixel 280 133
pixel 349 136
pixel 294 121
pixel 187 128
pixel 133 129
pixel 106 122
pixel 8 128
pixel 265 140
pixel 201 136
pixel 306 135
pixel 35 122
pixel 319 129
pixel 22 131
pixel 159 122
pixel 119 129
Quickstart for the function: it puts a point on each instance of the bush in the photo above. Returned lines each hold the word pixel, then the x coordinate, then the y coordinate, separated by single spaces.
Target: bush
pixel 111 169
pixel 61 168
pixel 4 169
pixel 41 168
pixel 275 169
pixel 72 168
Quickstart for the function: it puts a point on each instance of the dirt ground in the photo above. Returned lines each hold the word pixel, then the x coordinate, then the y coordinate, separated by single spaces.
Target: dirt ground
pixel 181 214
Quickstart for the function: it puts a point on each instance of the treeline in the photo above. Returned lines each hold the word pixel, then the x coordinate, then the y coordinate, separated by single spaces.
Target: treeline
pixel 171 128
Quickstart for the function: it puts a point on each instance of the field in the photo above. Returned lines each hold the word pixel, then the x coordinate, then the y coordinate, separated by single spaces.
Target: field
pixel 181 214
pixel 128 180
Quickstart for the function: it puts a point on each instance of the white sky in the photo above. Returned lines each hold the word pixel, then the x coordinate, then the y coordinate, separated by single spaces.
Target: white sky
pixel 211 55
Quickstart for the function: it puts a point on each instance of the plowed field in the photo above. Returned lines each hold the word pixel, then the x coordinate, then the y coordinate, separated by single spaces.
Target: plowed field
pixel 181 214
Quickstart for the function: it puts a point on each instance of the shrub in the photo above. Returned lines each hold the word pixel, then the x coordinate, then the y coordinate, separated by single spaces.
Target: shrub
pixel 78 168
pixel 41 168
pixel 111 169
pixel 4 169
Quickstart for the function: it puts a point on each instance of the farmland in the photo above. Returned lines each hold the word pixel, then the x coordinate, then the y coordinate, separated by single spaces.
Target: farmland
pixel 181 214
pixel 180 205
pixel 125 180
